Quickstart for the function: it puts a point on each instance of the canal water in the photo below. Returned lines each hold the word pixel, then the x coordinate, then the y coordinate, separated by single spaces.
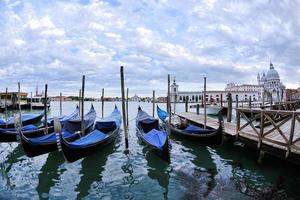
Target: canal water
pixel 196 171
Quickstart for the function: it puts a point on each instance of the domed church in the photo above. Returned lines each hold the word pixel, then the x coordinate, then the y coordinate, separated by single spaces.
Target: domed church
pixel 271 84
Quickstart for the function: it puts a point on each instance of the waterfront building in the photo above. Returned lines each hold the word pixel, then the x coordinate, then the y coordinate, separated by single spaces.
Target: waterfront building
pixel 211 96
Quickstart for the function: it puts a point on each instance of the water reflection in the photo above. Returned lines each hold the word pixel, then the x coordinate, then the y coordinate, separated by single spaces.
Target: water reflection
pixel 158 170
pixel 49 173
pixel 91 170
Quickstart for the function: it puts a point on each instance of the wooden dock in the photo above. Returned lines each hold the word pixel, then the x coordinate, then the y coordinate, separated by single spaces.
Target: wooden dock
pixel 275 132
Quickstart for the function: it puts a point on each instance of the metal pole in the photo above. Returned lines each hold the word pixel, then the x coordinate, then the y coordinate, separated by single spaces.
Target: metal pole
pixel 45 109
pixel 102 105
pixel 82 105
pixel 127 122
pixel 204 102
pixel 60 104
pixel 123 106
pixel 153 102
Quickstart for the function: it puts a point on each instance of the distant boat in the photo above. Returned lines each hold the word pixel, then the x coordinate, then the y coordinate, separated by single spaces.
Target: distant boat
pixel 149 132
pixel 193 131
pixel 106 131
pixel 37 102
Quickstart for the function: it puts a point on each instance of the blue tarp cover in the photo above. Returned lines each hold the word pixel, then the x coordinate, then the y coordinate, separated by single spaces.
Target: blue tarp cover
pixel 25 117
pixel 110 122
pixel 156 138
pixel 49 138
pixel 89 139
pixel 24 128
pixel 197 130
pixel 162 114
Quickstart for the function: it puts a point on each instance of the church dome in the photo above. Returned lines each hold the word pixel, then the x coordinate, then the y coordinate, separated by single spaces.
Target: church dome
pixel 272 73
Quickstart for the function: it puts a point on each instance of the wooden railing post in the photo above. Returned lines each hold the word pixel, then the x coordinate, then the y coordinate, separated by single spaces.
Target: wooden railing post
pixel 262 126
pixel 291 135
pixel 238 123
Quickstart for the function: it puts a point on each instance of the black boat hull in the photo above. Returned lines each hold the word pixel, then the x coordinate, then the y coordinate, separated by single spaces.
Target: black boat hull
pixel 72 155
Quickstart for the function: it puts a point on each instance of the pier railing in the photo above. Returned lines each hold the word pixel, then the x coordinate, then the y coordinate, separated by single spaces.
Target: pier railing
pixel 277 128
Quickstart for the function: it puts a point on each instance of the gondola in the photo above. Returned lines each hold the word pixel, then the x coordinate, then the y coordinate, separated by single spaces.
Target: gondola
pixel 106 130
pixel 149 132
pixel 27 119
pixel 48 143
pixel 64 118
pixel 74 124
pixel 193 131
pixel 12 135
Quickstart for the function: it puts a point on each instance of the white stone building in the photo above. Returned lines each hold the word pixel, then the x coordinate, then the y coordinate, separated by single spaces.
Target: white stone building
pixel 272 86
pixel 211 96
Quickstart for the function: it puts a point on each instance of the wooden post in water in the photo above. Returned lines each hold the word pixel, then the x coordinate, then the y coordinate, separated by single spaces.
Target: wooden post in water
pixel 175 99
pixel 153 103
pixel 221 96
pixel 5 103
pixel 236 105
pixel 79 102
pixel 198 108
pixel 45 109
pixel 30 101
pixel 82 106
pixel 250 102
pixel 186 104
pixel 102 103
pixel 229 110
pixel 123 106
pixel 127 121
pixel 169 100
pixel 204 102
pixel 60 104
pixel 19 102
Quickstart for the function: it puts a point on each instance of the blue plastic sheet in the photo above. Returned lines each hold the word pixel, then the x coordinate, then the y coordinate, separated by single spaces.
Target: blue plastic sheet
pixel 110 122
pixel 89 139
pixel 162 114
pixel 197 130
pixel 156 138
pixel 24 128
pixel 49 138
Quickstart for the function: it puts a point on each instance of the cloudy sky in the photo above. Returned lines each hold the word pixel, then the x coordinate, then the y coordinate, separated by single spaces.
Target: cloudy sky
pixel 56 42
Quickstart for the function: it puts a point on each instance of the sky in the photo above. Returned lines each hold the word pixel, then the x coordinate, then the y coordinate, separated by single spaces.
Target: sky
pixel 56 42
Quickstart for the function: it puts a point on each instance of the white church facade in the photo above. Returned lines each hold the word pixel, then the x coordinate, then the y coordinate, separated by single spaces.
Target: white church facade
pixel 269 86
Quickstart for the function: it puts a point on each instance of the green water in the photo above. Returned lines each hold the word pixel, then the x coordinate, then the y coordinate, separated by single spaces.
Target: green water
pixel 196 171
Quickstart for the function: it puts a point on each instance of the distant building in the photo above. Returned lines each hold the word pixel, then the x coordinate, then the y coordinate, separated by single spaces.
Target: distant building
pixel 211 96
pixel 135 98
pixel 272 86
pixel 57 98
pixel 293 94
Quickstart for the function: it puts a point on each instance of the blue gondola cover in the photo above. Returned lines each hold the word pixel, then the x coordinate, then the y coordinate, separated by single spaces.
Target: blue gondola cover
pixel 162 114
pixel 197 130
pixel 93 137
pixel 156 138
pixel 49 138
pixel 24 128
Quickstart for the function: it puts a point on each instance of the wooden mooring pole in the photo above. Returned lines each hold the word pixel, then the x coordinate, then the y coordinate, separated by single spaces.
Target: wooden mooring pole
pixel 82 106
pixel 123 107
pixel 102 103
pixel 153 103
pixel 45 109
pixel 204 102
pixel 30 101
pixel 79 102
pixel 127 120
pixel 5 103
pixel 198 109
pixel 60 104
pixel 186 104
pixel 221 96
pixel 19 102
pixel 229 110
pixel 169 100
